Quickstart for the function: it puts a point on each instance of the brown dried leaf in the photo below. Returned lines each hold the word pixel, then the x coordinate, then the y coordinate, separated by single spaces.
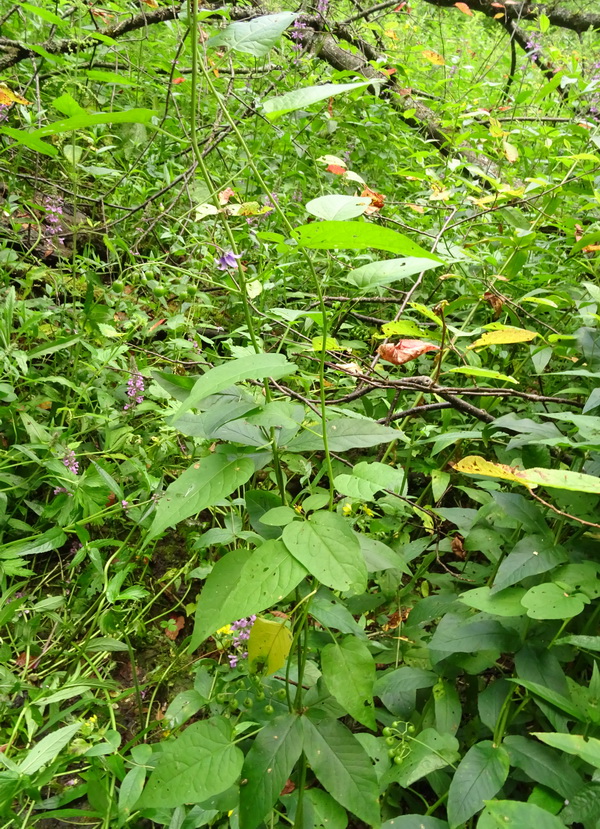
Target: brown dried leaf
pixel 404 351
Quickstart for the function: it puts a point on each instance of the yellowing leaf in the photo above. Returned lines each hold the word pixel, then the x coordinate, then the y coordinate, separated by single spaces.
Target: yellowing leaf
pixel 433 57
pixel 531 478
pixel 464 9
pixel 331 344
pixel 496 130
pixel 268 646
pixel 476 465
pixel 7 96
pixel 510 151
pixel 504 336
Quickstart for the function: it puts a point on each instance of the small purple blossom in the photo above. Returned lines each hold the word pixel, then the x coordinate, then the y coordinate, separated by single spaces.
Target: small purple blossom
pixel 241 634
pixel 533 46
pixel 54 209
pixel 61 490
pixel 124 504
pixel 135 390
pixel 70 462
pixel 322 7
pixel 299 33
pixel 227 260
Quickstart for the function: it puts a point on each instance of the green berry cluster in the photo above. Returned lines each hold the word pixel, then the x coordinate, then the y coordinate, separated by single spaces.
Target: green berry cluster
pixel 396 738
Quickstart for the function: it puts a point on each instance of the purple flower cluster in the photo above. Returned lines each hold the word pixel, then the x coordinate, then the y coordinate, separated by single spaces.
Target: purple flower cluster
pixel 533 46
pixel 322 7
pixel 62 490
pixel 298 34
pixel 70 462
pixel 241 634
pixel 53 223
pixel 135 390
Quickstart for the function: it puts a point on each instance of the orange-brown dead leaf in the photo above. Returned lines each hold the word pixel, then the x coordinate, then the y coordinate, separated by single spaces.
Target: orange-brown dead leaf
pixel 464 9
pixel 404 351
pixel 495 301
pixel 176 623
pixel 335 169
pixel 377 200
pixel 458 547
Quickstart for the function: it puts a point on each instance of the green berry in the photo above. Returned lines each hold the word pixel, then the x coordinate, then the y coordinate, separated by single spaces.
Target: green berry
pixel 388 732
pixel 260 696
pixel 391 752
pixel 118 287
pixel 281 694
pixel 160 290
pixel 248 702
pixel 390 740
pixel 398 760
pixel 411 729
pixel 269 709
pixel 221 697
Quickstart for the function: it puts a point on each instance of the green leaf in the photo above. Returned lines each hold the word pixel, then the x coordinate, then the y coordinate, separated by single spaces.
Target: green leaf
pixel 258 502
pixel 369 478
pixel 590 643
pixel 549 601
pixel 397 688
pixel 504 603
pixel 588 748
pixel 50 540
pixel 338 208
pixel 327 547
pixel 474 371
pixel 375 274
pixel 531 556
pixel 550 695
pixel 254 37
pixel 378 556
pixel 231 592
pixel 414 822
pixel 428 752
pixel 267 767
pixel 30 140
pixel 103 76
pixel 543 765
pixel 219 584
pixel 447 707
pixel 511 814
pixel 345 433
pixel 45 14
pixel 343 768
pixel 199 764
pixel 202 485
pixel 268 646
pixel 91 119
pixel 47 749
pixel 403 328
pixel 249 367
pixel 358 236
pixel 302 98
pixel 349 672
pixel 480 775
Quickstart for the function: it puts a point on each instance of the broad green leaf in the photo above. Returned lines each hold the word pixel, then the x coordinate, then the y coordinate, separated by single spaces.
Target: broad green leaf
pixel 250 367
pixel 268 646
pixel 447 707
pixel 29 140
pixel 512 814
pixel 268 765
pixel 92 119
pixel 543 765
pixel 480 775
pixel 588 748
pixel 258 502
pixel 231 592
pixel 378 556
pixel 414 822
pixel 327 812
pixel 403 328
pixel 550 695
pixel 531 556
pixel 504 603
pixel 130 790
pixel 369 478
pixel 202 485
pixel 504 336
pixel 221 581
pixel 45 14
pixel 50 540
pixel 397 689
pixel 374 274
pixel 590 643
pixel 429 751
pixel 329 550
pixel 474 371
pixel 349 671
pixel 455 634
pixel 302 98
pixel 254 37
pixel 109 77
pixel 358 236
pixel 549 601
pixel 343 768
pixel 48 748
pixel 338 208
pixel 345 433
pixel 199 764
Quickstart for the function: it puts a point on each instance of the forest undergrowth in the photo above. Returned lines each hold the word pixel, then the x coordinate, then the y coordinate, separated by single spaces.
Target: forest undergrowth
pixel 300 415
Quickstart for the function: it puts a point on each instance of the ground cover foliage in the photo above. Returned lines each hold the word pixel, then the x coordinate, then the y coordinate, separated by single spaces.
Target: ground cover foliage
pixel 300 440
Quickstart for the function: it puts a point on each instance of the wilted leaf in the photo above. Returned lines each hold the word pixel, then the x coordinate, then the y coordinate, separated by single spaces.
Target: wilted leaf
pixel 404 351
pixel 464 9
pixel 433 57
pixel 510 151
pixel 531 478
pixel 504 336
pixel 7 96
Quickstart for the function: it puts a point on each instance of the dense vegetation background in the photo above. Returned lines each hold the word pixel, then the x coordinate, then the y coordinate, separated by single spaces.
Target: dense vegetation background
pixel 300 437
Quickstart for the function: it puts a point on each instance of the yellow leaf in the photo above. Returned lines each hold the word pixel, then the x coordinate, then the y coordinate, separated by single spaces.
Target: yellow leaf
pixel 510 151
pixel 7 96
pixel 439 193
pixel 433 57
pixel 268 646
pixel 498 16
pixel 476 465
pixel 391 34
pixel 504 336
pixel 496 130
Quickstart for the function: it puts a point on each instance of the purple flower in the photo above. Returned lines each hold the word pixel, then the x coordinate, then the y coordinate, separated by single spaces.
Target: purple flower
pixel 135 390
pixel 322 7
pixel 70 462
pixel 61 490
pixel 241 631
pixel 53 223
pixel 228 260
